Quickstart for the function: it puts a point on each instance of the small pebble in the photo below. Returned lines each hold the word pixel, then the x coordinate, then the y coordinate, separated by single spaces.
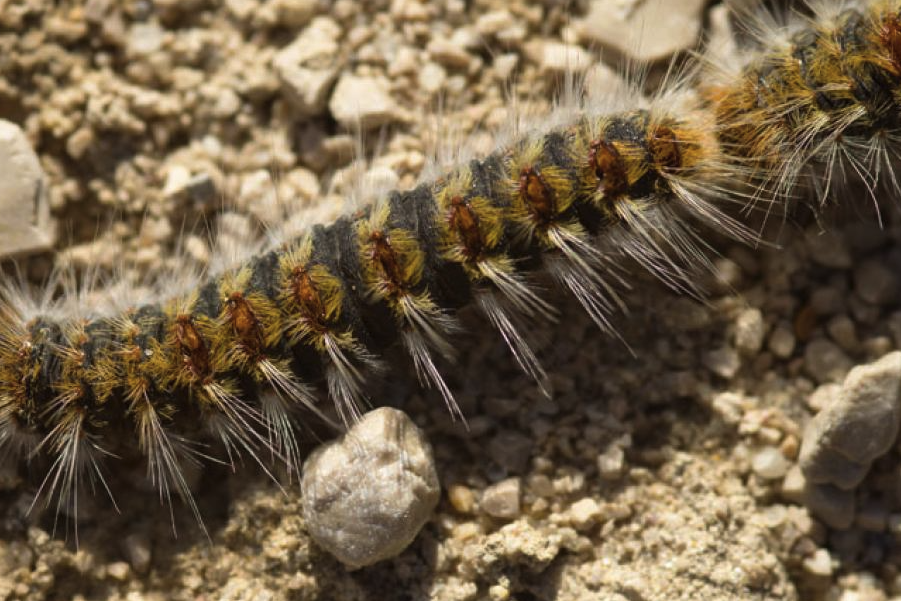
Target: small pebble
pixel 723 362
pixel 819 564
pixel 793 484
pixel 645 31
pixel 583 513
pixel 782 342
pixel 362 102
pixel 557 59
pixel 307 68
pixel 875 283
pixel 612 463
pixel 367 494
pixel 825 361
pixel 137 550
pixel 842 330
pixel 749 331
pixel 461 497
pixel 501 500
pixel 823 396
pixel 770 464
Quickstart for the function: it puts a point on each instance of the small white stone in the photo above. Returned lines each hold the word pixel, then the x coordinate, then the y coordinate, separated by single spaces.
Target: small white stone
pixel 367 494
pixel 449 53
pixel 144 38
pixel 793 484
pixel 504 65
pixel 645 30
pixel 492 22
pixel 559 58
pixel 362 101
pixel 770 464
pixel 875 283
pixel 584 512
pixel 729 406
pixel 308 67
pixel 177 178
pixel 502 499
pixel 612 463
pixel 294 13
pixel 749 331
pixel 432 77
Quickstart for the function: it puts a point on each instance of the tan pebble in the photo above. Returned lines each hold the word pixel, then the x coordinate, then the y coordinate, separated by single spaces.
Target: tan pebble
pixel 466 531
pixel 137 550
pixel 557 58
pixel 308 67
pixel 492 22
pixel 118 570
pixel 749 331
pixel 583 513
pixel 819 564
pixel 499 592
pixel 612 463
pixel 362 101
pixel 502 500
pixel 769 463
pixel 461 497
pixel 782 341
pixel 645 31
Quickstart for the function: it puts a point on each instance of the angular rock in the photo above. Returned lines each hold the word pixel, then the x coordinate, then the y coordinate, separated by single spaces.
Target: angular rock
pixel 843 439
pixel 825 361
pixel 362 101
pixel 308 67
pixel 645 31
pixel 367 494
pixel 501 500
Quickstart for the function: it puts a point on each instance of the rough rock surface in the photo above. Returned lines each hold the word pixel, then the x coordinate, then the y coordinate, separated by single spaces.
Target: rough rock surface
pixel 367 494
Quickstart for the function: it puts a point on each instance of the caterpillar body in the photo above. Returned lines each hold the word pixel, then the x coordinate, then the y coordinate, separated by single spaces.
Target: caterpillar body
pixel 233 356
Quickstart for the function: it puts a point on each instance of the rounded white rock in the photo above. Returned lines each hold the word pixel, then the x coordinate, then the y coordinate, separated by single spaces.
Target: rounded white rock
pixel 367 494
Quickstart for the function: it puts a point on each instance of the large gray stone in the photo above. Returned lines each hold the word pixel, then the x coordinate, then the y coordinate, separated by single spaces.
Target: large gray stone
pixel 843 439
pixel 367 494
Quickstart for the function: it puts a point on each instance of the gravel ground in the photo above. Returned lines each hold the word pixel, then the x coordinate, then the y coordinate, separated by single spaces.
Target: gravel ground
pixel 667 465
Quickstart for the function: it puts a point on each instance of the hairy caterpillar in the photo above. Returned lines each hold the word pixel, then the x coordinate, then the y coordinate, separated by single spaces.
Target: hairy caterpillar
pixel 572 197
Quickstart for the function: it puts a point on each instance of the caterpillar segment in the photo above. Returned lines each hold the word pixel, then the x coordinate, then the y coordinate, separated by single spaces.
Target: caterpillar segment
pixel 818 105
pixel 331 301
